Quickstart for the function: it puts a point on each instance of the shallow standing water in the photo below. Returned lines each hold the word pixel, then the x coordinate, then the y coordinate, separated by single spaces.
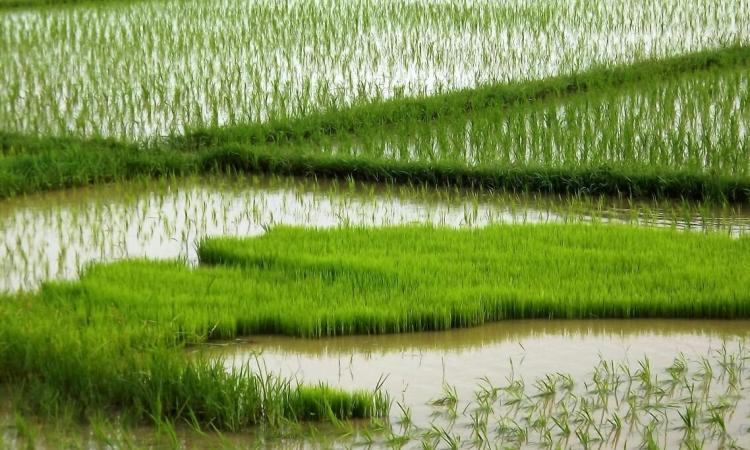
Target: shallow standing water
pixel 56 234
pixel 416 368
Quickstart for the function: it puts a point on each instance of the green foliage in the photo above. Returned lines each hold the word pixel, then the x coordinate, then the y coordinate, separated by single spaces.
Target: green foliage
pixel 638 130
pixel 402 279
pixel 646 82
pixel 207 63
pixel 417 278
pixel 58 360
pixel 111 340
pixel 637 181
pixel 665 119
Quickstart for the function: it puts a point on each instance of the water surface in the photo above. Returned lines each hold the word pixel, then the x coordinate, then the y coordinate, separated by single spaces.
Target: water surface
pixel 56 234
pixel 415 369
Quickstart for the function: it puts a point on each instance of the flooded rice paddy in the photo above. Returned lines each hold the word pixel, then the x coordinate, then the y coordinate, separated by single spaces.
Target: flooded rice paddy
pixel 54 235
pixel 83 71
pixel 526 375
pixel 147 71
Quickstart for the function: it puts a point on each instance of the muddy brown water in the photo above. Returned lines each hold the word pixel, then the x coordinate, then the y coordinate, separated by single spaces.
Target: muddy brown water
pixel 415 368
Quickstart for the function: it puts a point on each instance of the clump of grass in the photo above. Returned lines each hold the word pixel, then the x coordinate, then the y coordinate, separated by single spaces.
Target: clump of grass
pixel 59 364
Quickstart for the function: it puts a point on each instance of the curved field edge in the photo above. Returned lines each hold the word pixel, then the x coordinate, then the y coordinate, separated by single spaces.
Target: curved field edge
pixel 59 366
pixel 287 146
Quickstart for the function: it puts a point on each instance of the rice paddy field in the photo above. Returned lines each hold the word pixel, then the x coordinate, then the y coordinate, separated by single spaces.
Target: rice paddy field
pixel 145 69
pixel 375 223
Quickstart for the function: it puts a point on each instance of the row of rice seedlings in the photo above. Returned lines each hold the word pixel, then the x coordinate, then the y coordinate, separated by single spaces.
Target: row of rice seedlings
pixel 695 123
pixel 82 71
pixel 167 218
pixel 657 156
pixel 696 402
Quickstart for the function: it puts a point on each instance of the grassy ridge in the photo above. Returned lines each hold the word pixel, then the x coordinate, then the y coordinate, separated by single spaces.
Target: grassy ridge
pixel 79 166
pixel 633 161
pixel 635 181
pixel 29 164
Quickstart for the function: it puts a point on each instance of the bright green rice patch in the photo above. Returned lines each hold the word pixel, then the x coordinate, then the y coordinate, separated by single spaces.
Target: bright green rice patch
pixel 360 281
pixel 416 278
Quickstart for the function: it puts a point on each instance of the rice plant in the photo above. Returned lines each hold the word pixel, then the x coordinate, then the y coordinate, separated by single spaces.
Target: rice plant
pixel 80 70
pixel 366 281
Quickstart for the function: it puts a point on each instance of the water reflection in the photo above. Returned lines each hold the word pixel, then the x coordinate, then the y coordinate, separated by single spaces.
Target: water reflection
pixel 53 235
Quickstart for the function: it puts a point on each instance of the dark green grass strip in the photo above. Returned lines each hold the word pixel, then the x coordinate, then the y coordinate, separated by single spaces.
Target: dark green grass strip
pixel 72 166
pixel 638 181
pixel 29 164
